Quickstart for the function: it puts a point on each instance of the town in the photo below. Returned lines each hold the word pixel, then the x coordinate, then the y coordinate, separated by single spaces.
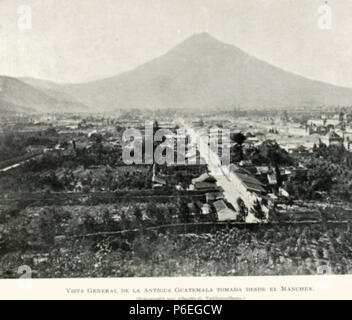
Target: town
pixel 280 203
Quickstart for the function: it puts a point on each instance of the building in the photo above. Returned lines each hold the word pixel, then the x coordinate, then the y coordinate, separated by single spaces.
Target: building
pixel 158 182
pixel 224 213
pixel 332 139
pixel 348 117
pixel 247 181
pixel 203 186
pixel 213 196
pixel 205 209
pixel 249 188
pixel 323 122
pixel 35 149
pixel 205 177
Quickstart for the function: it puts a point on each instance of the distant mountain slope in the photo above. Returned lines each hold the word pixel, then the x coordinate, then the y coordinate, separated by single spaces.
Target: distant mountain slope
pixel 205 73
pixel 200 73
pixel 50 88
pixel 18 96
pixel 7 108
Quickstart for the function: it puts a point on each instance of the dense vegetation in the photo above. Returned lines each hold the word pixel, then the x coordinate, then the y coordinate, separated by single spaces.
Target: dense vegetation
pixel 13 145
pixel 57 234
pixel 267 153
pixel 262 250
pixel 329 174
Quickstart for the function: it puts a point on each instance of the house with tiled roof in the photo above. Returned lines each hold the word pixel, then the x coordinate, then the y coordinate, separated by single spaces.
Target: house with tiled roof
pixel 332 138
pixel 248 188
pixel 205 177
pixel 223 212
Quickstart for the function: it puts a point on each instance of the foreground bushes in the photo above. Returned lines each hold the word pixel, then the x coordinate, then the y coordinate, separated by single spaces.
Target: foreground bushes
pixel 259 250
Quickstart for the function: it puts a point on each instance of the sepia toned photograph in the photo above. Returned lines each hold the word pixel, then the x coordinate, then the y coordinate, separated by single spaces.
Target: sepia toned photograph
pixel 175 138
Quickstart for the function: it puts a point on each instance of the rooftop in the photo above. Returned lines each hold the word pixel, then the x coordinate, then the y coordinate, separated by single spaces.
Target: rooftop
pixel 251 183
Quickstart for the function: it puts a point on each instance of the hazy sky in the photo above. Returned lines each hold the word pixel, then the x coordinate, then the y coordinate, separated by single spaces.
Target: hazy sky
pixel 80 40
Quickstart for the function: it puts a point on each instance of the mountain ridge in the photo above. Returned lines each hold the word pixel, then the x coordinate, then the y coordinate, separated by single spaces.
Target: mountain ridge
pixel 199 73
pixel 186 74
pixel 18 96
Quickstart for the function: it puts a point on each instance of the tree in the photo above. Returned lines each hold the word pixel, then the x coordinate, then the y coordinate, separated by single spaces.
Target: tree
pixel 138 213
pixel 257 210
pixel 52 181
pixel 183 210
pixel 47 227
pixel 278 175
pixel 273 153
pixel 243 210
pixel 51 132
pixel 239 138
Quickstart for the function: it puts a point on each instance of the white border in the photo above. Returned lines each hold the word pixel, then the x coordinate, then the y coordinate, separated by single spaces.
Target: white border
pixel 301 287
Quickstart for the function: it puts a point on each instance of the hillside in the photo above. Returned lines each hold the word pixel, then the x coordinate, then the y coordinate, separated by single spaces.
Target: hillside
pixel 17 96
pixel 204 73
pixel 201 73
